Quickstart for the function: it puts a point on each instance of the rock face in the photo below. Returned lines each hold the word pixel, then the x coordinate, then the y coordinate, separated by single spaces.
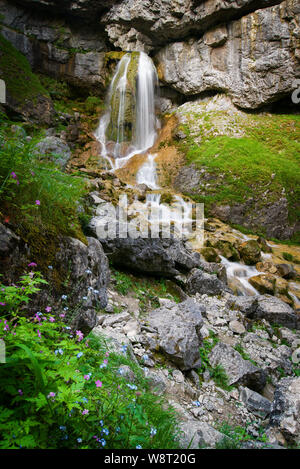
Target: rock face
pixel 256 403
pixel 83 270
pixel 254 59
pixel 250 53
pixel 285 412
pixel 237 369
pixel 178 327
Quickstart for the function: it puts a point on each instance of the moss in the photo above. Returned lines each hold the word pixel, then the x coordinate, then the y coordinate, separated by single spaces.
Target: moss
pixel 15 70
pixel 254 156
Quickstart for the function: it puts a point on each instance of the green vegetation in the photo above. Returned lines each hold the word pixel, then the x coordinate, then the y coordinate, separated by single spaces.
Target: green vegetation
pixel 242 352
pixel 34 193
pixel 238 435
pixel 146 290
pixel 262 163
pixel 217 373
pixel 15 70
pixel 54 394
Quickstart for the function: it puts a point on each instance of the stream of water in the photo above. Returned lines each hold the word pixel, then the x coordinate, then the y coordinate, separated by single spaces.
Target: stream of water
pixel 128 128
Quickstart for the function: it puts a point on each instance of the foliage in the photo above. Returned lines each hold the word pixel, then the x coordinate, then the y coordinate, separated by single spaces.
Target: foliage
pixel 238 435
pixel 16 72
pixel 59 389
pixel 146 290
pixel 217 373
pixel 264 163
pixel 34 192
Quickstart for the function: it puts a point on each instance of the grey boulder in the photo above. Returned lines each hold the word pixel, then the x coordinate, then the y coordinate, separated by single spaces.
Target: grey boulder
pixel 238 370
pixel 178 328
pixel 285 412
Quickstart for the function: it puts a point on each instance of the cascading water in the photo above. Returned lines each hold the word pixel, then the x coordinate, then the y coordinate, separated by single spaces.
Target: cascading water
pixel 129 126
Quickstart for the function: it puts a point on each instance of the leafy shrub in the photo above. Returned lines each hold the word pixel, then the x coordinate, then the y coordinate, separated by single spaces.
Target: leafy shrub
pixel 59 389
pixel 34 192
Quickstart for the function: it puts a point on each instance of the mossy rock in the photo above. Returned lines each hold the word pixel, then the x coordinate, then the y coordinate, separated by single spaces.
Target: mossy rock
pixel 126 131
pixel 227 250
pixel 24 93
pixel 250 252
pixel 210 254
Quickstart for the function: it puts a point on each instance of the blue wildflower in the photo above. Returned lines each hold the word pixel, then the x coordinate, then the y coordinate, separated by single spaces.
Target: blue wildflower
pixel 79 354
pixel 105 431
pixel 62 428
pixel 138 447
pixel 64 297
pixel 102 441
pixel 101 423
pixel 197 403
pixel 79 440
pixel 153 431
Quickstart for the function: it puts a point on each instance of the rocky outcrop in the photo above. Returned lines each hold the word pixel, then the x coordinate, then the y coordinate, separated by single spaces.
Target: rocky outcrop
pixel 161 21
pixel 250 53
pixel 285 413
pixel 157 256
pixel 25 96
pixel 254 59
pixel 56 46
pixel 178 328
pixel 79 276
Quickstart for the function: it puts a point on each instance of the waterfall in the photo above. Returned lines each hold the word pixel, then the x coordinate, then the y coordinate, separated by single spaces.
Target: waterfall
pixel 129 126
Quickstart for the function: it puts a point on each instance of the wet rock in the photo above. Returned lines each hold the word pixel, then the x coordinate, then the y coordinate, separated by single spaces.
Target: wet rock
pixel 285 412
pixel 256 403
pixel 55 150
pixel 215 268
pixel 250 252
pixel 228 250
pixel 178 328
pixel 210 254
pixel 238 370
pixel 286 271
pixel 203 283
pixel 264 283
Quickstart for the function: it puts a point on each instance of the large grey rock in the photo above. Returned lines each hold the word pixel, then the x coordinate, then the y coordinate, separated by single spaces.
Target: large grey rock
pixel 55 150
pixel 178 327
pixel 285 412
pixel 256 403
pixel 167 257
pixel 273 310
pixel 87 270
pixel 204 283
pixel 256 65
pixel 162 21
pixel 197 435
pixel 238 370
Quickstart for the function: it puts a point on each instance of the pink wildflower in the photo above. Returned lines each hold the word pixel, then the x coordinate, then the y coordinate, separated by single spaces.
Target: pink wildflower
pixel 85 412
pixel 79 335
pixel 98 383
pixel 48 309
pixel 37 202
pixel 39 334
pixel 51 319
pixel 32 264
